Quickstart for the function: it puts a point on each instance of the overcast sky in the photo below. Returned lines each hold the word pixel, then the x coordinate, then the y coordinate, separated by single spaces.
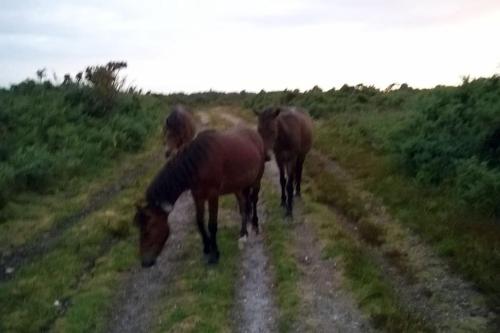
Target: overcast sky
pixel 233 45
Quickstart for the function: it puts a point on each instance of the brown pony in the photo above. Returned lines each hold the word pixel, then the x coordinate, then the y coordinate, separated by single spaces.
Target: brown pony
pixel 288 131
pixel 213 164
pixel 178 130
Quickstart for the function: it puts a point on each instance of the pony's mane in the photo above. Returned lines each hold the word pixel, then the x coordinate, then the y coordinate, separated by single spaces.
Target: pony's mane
pixel 179 173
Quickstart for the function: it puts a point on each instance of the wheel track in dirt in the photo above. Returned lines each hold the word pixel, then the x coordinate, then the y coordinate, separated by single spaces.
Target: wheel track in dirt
pixel 255 310
pixel 326 306
pixel 426 284
pixel 136 304
pixel 44 242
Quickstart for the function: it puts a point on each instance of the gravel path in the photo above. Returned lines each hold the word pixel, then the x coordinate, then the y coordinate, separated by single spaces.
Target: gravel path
pixel 256 309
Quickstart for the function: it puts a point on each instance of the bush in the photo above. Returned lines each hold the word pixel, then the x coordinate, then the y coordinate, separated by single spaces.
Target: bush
pixel 478 186
pixel 454 138
pixel 6 182
pixel 50 133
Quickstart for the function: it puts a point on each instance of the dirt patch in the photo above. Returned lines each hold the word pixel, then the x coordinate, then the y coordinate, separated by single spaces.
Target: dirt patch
pixel 135 309
pixel 42 243
pixel 422 280
pixel 256 309
pixel 231 118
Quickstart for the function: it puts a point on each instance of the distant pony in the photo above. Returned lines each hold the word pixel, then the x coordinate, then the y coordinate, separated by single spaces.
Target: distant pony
pixel 213 164
pixel 179 129
pixel 288 132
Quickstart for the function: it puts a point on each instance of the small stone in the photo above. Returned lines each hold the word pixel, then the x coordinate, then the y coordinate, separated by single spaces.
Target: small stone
pixel 9 270
pixel 57 303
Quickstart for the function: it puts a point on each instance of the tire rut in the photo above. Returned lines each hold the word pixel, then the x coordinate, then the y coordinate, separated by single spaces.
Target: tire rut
pixel 255 306
pixel 425 283
pixel 136 302
pixel 45 241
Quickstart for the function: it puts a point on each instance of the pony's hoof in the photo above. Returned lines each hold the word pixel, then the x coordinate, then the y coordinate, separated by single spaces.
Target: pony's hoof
pixel 256 230
pixel 242 241
pixel 213 258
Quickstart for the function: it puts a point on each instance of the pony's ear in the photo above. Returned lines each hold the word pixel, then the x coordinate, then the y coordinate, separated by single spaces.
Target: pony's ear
pixel 276 112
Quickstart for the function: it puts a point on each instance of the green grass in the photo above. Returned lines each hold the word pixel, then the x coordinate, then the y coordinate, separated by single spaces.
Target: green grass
pixel 203 297
pixel 469 241
pixel 93 298
pixel 279 242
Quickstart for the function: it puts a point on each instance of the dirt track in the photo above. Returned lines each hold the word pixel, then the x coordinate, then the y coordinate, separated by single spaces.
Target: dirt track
pixel 326 307
pixel 433 292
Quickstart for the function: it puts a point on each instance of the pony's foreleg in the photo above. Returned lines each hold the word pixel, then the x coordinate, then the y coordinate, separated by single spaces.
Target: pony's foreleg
pixel 200 221
pixel 289 186
pixel 282 182
pixel 213 206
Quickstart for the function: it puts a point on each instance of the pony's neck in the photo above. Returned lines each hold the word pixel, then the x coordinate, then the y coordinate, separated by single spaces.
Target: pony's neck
pixel 177 175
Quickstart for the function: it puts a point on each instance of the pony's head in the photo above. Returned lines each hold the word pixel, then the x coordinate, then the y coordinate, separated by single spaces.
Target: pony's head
pixel 268 126
pixel 153 226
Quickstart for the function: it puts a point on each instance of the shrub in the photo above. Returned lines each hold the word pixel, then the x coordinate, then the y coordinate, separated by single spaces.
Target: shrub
pixel 478 186
pixel 454 138
pixel 50 133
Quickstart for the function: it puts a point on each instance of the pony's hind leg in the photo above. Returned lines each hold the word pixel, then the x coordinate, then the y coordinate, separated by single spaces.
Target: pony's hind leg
pixel 254 199
pixel 298 174
pixel 213 207
pixel 289 186
pixel 281 168
pixel 200 221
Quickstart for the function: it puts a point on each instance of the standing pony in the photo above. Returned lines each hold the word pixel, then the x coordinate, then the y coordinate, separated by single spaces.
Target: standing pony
pixel 288 131
pixel 178 130
pixel 213 164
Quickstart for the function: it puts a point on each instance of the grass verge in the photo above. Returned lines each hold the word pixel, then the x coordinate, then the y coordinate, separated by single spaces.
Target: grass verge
pixel 469 242
pixel 68 288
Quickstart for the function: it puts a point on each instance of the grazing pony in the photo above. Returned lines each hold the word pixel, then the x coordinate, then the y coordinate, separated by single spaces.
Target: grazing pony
pixel 288 131
pixel 178 130
pixel 213 164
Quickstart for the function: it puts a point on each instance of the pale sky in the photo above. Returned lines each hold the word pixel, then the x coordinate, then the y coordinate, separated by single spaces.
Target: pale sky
pixel 231 45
